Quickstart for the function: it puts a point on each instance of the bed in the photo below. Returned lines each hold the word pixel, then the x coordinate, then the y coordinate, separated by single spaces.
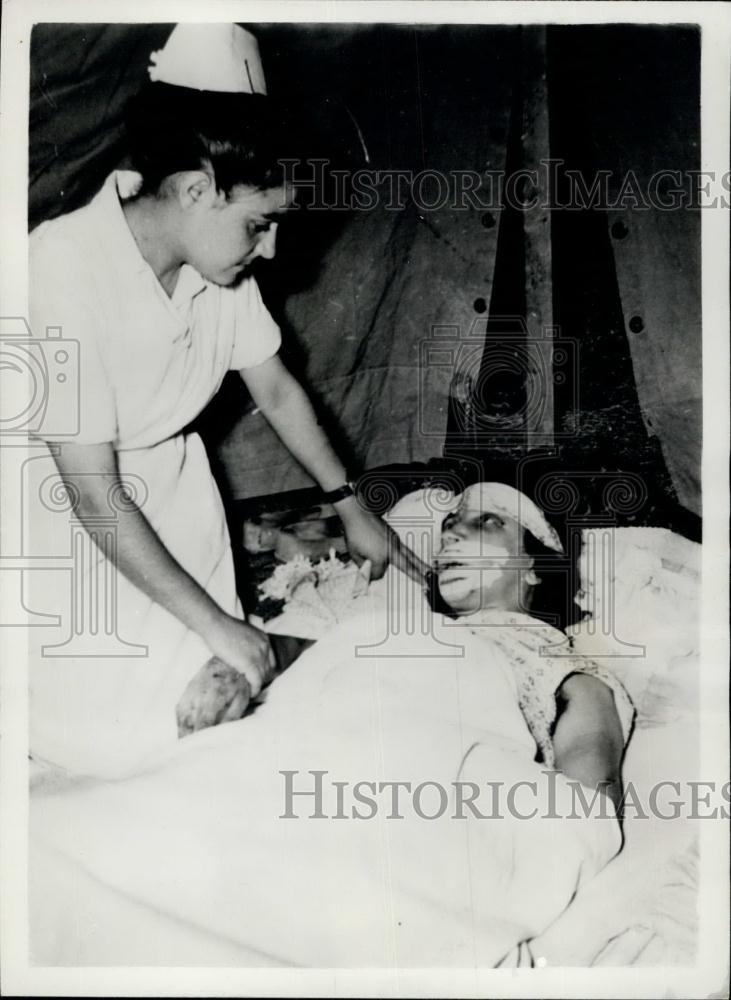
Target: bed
pixel 191 864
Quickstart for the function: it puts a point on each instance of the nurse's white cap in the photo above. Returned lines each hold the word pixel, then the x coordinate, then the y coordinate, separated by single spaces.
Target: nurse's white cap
pixel 498 498
pixel 218 57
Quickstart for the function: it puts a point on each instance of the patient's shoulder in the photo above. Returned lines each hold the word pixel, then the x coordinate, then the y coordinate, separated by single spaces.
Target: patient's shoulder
pixel 596 695
pixel 583 687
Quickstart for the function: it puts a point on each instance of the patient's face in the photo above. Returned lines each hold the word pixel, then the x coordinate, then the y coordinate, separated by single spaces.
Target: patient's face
pixel 480 560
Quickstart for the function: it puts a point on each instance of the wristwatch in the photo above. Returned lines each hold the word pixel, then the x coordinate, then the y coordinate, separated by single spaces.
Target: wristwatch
pixel 332 496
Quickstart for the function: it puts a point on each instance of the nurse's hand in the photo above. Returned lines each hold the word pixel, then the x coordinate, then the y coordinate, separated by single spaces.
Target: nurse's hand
pixel 369 537
pixel 243 647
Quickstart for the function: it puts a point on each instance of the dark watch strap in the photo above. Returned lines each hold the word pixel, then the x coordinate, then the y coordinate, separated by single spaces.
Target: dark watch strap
pixel 339 494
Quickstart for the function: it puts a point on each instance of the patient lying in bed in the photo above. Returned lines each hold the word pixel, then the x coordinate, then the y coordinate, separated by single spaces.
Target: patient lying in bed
pixel 230 852
pixel 459 891
pixel 486 570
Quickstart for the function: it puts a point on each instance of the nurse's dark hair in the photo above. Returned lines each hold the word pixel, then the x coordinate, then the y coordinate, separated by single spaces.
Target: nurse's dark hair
pixel 240 137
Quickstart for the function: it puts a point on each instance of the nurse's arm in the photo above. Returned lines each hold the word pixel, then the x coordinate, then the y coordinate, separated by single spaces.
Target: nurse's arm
pixel 91 473
pixel 287 407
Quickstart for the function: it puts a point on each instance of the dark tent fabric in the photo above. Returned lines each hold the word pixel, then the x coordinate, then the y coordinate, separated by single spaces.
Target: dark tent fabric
pixel 396 287
pixel 362 295
pixel 81 77
pixel 657 249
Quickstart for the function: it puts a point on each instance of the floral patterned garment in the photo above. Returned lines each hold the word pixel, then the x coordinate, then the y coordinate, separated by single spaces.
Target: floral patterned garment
pixel 542 659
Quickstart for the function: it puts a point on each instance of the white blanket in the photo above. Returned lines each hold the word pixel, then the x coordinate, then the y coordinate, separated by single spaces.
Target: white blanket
pixel 643 908
pixel 191 864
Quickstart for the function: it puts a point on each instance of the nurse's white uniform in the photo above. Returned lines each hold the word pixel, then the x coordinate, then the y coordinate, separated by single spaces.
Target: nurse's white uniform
pixel 148 365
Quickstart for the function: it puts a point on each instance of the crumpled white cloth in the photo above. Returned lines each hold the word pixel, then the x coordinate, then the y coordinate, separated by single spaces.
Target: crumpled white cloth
pixel 642 589
pixel 642 909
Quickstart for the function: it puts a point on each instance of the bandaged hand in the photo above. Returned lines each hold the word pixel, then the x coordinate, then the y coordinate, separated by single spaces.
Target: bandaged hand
pixel 369 537
pixel 217 693
pixel 221 691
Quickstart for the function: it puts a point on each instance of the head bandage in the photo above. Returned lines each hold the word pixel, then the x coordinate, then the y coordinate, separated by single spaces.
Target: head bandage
pixel 501 499
pixel 219 57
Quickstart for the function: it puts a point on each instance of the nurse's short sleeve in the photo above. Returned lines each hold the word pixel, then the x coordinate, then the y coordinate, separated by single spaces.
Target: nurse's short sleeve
pixel 256 336
pixel 69 327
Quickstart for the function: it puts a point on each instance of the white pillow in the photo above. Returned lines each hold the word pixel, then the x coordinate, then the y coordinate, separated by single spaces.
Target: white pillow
pixel 642 588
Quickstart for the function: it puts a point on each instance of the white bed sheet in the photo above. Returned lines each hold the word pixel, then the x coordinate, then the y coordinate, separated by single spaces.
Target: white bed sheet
pixel 642 908
pixel 190 864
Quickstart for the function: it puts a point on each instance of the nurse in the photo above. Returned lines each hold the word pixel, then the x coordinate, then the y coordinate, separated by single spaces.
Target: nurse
pixel 152 279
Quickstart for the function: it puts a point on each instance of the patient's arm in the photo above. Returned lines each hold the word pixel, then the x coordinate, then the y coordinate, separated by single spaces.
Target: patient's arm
pixel 587 740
